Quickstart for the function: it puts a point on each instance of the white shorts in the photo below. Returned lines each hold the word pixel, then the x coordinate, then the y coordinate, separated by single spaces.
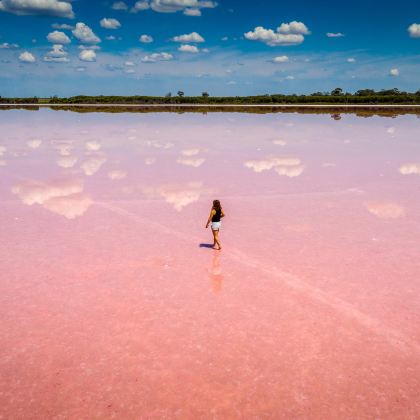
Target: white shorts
pixel 216 225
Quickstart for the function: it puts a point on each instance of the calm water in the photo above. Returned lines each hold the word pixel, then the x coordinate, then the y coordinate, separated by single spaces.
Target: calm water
pixel 113 306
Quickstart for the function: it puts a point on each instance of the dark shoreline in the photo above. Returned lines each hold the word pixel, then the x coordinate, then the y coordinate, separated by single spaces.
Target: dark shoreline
pixel 385 110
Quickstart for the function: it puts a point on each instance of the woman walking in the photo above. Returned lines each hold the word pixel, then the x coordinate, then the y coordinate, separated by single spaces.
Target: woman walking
pixel 216 214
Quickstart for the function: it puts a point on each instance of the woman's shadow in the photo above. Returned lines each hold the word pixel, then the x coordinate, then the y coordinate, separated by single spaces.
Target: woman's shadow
pixel 206 245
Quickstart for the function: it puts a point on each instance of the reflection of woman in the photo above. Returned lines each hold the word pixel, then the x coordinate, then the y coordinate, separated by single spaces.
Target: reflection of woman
pixel 215 215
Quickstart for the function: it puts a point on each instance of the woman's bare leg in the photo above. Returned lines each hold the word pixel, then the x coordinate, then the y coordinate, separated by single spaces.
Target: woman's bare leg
pixel 216 238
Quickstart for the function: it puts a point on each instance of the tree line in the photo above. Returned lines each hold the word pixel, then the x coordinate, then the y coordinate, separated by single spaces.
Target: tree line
pixel 336 96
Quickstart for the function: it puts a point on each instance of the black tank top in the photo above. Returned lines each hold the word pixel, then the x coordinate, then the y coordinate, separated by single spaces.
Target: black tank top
pixel 216 217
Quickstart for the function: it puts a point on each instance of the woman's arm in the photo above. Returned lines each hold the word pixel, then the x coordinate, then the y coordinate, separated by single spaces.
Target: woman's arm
pixel 212 213
pixel 223 214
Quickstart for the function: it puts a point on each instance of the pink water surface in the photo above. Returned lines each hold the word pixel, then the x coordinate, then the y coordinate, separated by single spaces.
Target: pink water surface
pixel 113 306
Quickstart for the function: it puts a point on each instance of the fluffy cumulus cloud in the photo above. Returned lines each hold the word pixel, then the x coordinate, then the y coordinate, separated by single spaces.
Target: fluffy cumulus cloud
pixel 84 34
pixel 146 39
pixel 410 168
pixel 57 54
pixel 334 34
pixel 281 59
pixel 188 48
pixel 65 198
pixel 34 143
pixel 153 58
pixel 194 162
pixel 87 55
pixel 286 34
pixel 62 26
pixel 110 23
pixel 27 57
pixel 394 72
pixel 414 30
pixel 179 196
pixel 290 167
pixel 192 37
pixel 57 37
pixel 38 7
pixel 385 210
pixel 117 174
pixel 7 46
pixel 119 5
pixel 92 146
pixel 92 165
pixel 351 60
pixel 188 7
pixel 192 12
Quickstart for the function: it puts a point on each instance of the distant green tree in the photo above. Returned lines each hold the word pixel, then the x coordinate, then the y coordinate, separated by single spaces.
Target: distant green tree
pixel 336 91
pixel 205 95
pixel 168 95
pixel 180 93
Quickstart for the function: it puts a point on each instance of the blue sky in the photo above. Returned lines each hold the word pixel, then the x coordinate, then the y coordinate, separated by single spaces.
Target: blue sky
pixel 228 47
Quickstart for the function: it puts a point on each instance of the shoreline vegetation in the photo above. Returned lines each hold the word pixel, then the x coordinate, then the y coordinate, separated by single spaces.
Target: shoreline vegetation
pixel 336 96
pixel 335 111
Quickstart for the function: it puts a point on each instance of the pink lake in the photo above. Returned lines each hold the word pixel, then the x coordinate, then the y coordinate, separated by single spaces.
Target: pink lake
pixel 113 305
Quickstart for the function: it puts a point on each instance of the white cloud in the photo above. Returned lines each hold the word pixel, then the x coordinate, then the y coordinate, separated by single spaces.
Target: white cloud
pixel 286 34
pixel 188 48
pixel 38 7
pixel 385 210
pixel 290 77
pixel 7 46
pixel 146 39
pixel 190 152
pixel 225 38
pixel 195 162
pixel 92 146
pixel 57 54
pixel 110 38
pixel 70 206
pixel 27 57
pixel 110 23
pixel 92 165
pixel 290 167
pixel 2 150
pixel 172 6
pixel 129 71
pixel 149 161
pixel 84 34
pixel 281 59
pixel 65 198
pixel 410 169
pixel 117 174
pixel 231 82
pixel 62 26
pixel 119 5
pixel 394 72
pixel 351 60
pixel 34 144
pixel 129 64
pixel 87 55
pixel 139 6
pixel 293 28
pixel 414 30
pixel 67 161
pixel 280 142
pixel 178 196
pixel 57 37
pixel 192 37
pixel 192 12
pixel 152 58
pixel 334 34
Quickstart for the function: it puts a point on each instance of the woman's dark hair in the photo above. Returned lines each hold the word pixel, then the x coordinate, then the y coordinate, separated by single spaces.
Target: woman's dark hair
pixel 217 205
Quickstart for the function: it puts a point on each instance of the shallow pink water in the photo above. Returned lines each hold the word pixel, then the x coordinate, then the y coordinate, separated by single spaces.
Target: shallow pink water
pixel 110 308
